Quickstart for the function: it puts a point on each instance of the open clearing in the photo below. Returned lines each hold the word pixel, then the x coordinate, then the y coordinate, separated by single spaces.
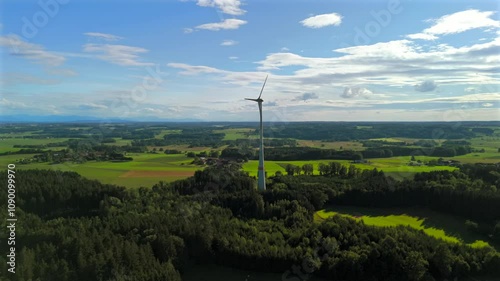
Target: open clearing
pixel 446 227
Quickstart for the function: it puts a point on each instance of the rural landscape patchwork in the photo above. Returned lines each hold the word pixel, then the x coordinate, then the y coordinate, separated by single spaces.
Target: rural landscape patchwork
pixel 209 140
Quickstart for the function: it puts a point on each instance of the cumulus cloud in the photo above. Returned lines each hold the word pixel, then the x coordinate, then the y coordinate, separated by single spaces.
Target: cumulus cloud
pixel 117 54
pixel 306 97
pixel 356 92
pixel 230 7
pixel 33 52
pixel 226 24
pixel 425 86
pixel 323 20
pixel 105 36
pixel 228 43
pixel 457 23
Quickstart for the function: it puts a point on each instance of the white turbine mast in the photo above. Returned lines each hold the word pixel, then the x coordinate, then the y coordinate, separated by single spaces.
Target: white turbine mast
pixel 261 172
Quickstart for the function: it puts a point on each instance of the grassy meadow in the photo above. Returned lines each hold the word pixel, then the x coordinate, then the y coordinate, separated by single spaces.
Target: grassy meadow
pixel 7 144
pixel 145 170
pixel 394 166
pixel 446 227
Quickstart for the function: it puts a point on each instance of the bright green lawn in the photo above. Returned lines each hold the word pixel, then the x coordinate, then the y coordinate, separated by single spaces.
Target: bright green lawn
pixel 447 227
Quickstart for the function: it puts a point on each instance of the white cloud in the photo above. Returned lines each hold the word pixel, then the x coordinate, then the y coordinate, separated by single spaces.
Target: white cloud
pixel 228 43
pixel 30 51
pixel 117 54
pixel 226 24
pixel 11 104
pixel 323 20
pixel 90 106
pixel 230 7
pixel 470 90
pixel 285 49
pixel 188 30
pixel 356 92
pixel 233 58
pixel 488 104
pixel 426 86
pixel 306 97
pixel 194 69
pixel 153 110
pixel 105 36
pixel 422 36
pixel 457 23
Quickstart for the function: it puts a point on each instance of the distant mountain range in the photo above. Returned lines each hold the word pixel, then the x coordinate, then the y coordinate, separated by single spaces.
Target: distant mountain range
pixel 82 119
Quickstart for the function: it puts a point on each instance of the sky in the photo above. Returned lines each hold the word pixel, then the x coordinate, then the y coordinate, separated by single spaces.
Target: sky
pixel 335 60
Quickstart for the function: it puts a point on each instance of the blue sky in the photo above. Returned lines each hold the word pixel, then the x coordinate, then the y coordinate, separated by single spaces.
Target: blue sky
pixel 343 60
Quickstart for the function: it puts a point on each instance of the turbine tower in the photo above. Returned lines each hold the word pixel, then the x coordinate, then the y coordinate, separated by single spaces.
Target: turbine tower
pixel 261 172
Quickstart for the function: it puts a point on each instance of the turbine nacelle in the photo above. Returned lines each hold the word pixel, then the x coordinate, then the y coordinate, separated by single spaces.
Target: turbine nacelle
pixel 259 99
pixel 256 100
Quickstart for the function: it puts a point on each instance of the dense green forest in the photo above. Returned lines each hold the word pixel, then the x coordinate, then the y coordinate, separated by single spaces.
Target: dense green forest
pixel 71 228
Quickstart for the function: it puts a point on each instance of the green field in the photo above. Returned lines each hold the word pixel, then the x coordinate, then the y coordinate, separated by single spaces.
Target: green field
pixel 7 144
pixel 144 170
pixel 394 166
pixel 442 226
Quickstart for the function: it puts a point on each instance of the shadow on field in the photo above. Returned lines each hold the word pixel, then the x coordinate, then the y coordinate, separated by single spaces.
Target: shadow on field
pixel 451 225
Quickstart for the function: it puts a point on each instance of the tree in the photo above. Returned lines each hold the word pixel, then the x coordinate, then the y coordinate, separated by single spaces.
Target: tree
pixel 308 169
pixel 415 266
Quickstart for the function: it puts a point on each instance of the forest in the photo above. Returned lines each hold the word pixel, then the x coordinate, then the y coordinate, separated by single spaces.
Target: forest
pixel 72 228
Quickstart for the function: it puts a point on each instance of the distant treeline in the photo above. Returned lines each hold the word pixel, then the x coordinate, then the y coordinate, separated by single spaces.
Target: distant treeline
pixel 311 153
pixel 331 131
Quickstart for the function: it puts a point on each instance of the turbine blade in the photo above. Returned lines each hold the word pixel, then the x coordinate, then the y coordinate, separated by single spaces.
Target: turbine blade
pixel 263 87
pixel 251 99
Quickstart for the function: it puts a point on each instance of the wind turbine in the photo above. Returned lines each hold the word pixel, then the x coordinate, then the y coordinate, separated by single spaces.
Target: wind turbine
pixel 261 172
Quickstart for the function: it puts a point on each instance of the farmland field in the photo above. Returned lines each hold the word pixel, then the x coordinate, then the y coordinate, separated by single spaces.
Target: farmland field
pixel 145 170
pixel 439 225
pixel 394 166
pixel 8 143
